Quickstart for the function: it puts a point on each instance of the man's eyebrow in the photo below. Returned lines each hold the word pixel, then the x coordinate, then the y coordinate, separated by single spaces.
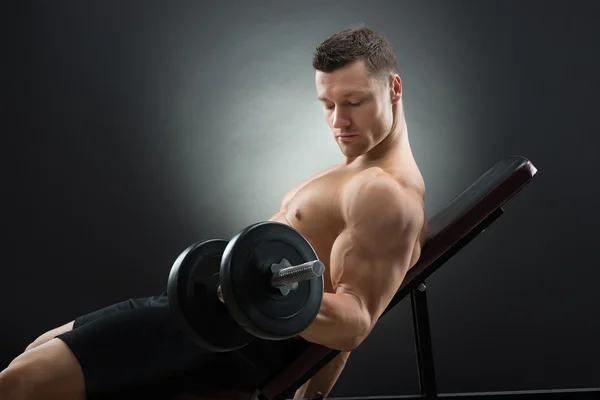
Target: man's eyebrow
pixel 348 94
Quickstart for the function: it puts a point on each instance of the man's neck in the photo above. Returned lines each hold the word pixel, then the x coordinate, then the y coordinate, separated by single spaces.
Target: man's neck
pixel 394 146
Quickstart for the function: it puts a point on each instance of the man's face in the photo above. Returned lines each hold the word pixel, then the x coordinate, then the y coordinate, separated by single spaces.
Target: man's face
pixel 357 108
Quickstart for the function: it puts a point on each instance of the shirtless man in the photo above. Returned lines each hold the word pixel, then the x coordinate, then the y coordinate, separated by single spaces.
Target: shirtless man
pixel 365 218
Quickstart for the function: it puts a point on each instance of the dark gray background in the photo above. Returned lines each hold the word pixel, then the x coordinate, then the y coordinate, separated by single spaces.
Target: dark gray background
pixel 142 127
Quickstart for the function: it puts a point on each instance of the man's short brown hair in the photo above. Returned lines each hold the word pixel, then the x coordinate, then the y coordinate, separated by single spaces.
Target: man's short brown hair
pixel 356 43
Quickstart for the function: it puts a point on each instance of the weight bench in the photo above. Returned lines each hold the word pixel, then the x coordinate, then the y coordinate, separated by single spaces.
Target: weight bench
pixel 465 217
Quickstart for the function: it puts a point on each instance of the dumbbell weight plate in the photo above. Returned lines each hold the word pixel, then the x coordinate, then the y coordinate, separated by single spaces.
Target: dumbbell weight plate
pixel 257 306
pixel 192 293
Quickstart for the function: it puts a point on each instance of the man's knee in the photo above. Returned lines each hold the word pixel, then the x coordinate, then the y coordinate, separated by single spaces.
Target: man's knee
pixel 49 371
pixel 10 381
pixel 15 379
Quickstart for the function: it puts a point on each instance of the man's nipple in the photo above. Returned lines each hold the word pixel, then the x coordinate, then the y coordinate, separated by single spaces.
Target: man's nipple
pixel 298 214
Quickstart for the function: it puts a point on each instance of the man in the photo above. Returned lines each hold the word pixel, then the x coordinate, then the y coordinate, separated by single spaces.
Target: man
pixel 365 218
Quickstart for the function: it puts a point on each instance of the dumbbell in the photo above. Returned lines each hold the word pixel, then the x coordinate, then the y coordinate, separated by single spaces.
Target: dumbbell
pixel 271 283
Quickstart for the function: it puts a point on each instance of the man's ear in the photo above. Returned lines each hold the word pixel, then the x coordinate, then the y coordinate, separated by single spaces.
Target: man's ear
pixel 395 88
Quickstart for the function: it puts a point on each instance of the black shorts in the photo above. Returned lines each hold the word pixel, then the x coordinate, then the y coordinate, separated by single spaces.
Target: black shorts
pixel 134 349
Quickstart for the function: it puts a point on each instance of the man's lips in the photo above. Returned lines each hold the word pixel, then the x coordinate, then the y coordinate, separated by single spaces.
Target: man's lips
pixel 346 137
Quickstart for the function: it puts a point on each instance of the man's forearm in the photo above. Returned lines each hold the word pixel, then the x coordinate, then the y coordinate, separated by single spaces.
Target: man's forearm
pixel 341 323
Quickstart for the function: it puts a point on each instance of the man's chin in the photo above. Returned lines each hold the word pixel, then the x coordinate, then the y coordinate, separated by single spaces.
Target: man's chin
pixel 350 153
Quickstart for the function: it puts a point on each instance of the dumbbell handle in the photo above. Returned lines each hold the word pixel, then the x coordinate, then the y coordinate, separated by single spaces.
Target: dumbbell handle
pixel 288 275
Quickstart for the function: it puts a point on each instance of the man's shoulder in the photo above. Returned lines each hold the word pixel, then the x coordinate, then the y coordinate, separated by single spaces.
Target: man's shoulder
pixel 381 209
pixel 375 185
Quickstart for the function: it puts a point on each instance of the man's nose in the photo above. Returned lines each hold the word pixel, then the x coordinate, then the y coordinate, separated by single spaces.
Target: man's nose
pixel 340 120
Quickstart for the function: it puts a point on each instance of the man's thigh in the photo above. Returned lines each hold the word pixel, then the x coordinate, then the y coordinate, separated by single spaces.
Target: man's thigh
pixel 130 304
pixel 132 348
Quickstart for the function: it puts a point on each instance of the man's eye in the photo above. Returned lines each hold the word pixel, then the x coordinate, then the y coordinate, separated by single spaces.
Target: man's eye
pixel 349 103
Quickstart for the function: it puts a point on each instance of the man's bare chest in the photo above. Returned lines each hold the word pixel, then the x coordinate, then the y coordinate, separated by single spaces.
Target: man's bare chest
pixel 315 208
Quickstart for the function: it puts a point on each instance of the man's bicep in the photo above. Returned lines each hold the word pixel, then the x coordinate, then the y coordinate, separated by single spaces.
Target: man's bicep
pixel 372 274
pixel 373 254
pixel 348 264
